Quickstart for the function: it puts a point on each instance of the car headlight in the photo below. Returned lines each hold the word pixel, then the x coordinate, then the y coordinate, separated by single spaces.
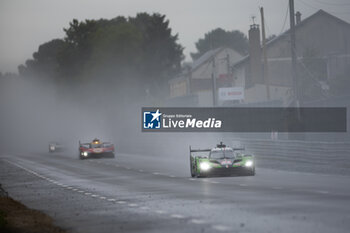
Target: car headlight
pixel 52 148
pixel 204 166
pixel 249 163
pixel 85 153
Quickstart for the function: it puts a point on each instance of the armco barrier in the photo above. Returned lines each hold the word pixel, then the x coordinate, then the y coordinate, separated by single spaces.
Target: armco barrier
pixel 333 155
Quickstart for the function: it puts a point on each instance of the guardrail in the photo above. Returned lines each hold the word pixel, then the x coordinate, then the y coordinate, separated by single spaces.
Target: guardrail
pixel 329 155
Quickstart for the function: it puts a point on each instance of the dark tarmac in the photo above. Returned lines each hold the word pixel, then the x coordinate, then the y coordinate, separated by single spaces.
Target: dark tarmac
pixel 139 193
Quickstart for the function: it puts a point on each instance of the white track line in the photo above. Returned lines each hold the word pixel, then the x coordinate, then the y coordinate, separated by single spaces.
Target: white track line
pixel 220 228
pixel 197 221
pixel 322 192
pixel 160 212
pixel 179 216
pixel 176 216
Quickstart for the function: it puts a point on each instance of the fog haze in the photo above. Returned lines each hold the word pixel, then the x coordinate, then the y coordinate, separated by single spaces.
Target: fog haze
pixel 24 25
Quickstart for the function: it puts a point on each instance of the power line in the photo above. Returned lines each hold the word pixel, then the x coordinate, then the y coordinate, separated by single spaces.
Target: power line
pixel 285 20
pixel 317 8
pixel 266 25
pixel 333 3
pixel 308 4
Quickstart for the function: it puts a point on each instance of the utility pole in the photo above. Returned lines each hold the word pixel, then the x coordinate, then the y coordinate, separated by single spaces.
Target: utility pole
pixel 293 54
pixel 228 64
pixel 228 67
pixel 266 73
pixel 213 77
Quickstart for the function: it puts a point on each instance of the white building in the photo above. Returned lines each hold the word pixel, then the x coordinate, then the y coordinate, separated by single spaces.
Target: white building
pixel 195 84
pixel 322 34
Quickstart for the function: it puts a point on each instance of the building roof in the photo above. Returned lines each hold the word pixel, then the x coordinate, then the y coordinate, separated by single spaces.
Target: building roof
pixel 205 57
pixel 286 33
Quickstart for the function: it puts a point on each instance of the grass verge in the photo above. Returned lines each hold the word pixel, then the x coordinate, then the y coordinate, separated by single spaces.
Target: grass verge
pixel 17 218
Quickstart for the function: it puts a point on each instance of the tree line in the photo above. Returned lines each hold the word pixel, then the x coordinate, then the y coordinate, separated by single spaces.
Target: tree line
pixel 130 55
pixel 139 51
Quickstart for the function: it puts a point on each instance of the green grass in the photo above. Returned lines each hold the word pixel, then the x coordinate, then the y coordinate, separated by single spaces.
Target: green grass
pixel 3 221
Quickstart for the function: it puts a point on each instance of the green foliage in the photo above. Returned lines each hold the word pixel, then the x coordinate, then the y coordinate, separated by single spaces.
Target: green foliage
pixel 161 54
pixel 116 45
pixel 44 61
pixel 3 221
pixel 221 38
pixel 137 51
pixel 78 47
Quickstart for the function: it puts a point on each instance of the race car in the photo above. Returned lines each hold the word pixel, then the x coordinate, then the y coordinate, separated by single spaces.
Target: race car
pixel 96 149
pixel 221 161
pixel 55 147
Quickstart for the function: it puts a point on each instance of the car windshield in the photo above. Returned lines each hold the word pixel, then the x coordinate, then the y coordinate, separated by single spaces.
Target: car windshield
pixel 106 145
pixel 221 154
pixel 96 145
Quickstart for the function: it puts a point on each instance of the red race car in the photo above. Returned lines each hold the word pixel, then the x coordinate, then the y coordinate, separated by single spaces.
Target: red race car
pixel 96 149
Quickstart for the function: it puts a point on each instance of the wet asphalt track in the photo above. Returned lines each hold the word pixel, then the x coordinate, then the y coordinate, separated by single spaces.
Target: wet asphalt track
pixel 135 193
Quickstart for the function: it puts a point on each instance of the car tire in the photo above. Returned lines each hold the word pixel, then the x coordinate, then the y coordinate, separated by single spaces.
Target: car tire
pixel 252 172
pixel 192 173
pixel 191 168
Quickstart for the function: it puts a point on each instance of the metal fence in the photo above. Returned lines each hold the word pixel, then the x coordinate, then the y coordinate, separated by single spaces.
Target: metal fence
pixel 328 155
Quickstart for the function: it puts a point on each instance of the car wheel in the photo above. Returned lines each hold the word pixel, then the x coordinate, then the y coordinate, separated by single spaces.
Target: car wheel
pixel 252 172
pixel 192 173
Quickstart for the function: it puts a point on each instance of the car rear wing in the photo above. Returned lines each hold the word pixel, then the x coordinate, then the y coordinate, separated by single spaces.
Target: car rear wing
pixel 200 153
pixel 84 144
pixel 199 150
pixel 109 143
pixel 238 148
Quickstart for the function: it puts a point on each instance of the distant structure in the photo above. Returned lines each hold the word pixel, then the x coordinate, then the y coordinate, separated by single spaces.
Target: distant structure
pixel 239 80
pixel 322 34
pixel 254 72
pixel 194 86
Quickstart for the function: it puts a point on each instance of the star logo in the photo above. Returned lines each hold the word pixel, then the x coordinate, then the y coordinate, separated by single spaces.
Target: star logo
pixel 156 115
pixel 152 120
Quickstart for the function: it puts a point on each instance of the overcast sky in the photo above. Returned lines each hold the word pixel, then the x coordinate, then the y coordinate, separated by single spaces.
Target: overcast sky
pixel 25 24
